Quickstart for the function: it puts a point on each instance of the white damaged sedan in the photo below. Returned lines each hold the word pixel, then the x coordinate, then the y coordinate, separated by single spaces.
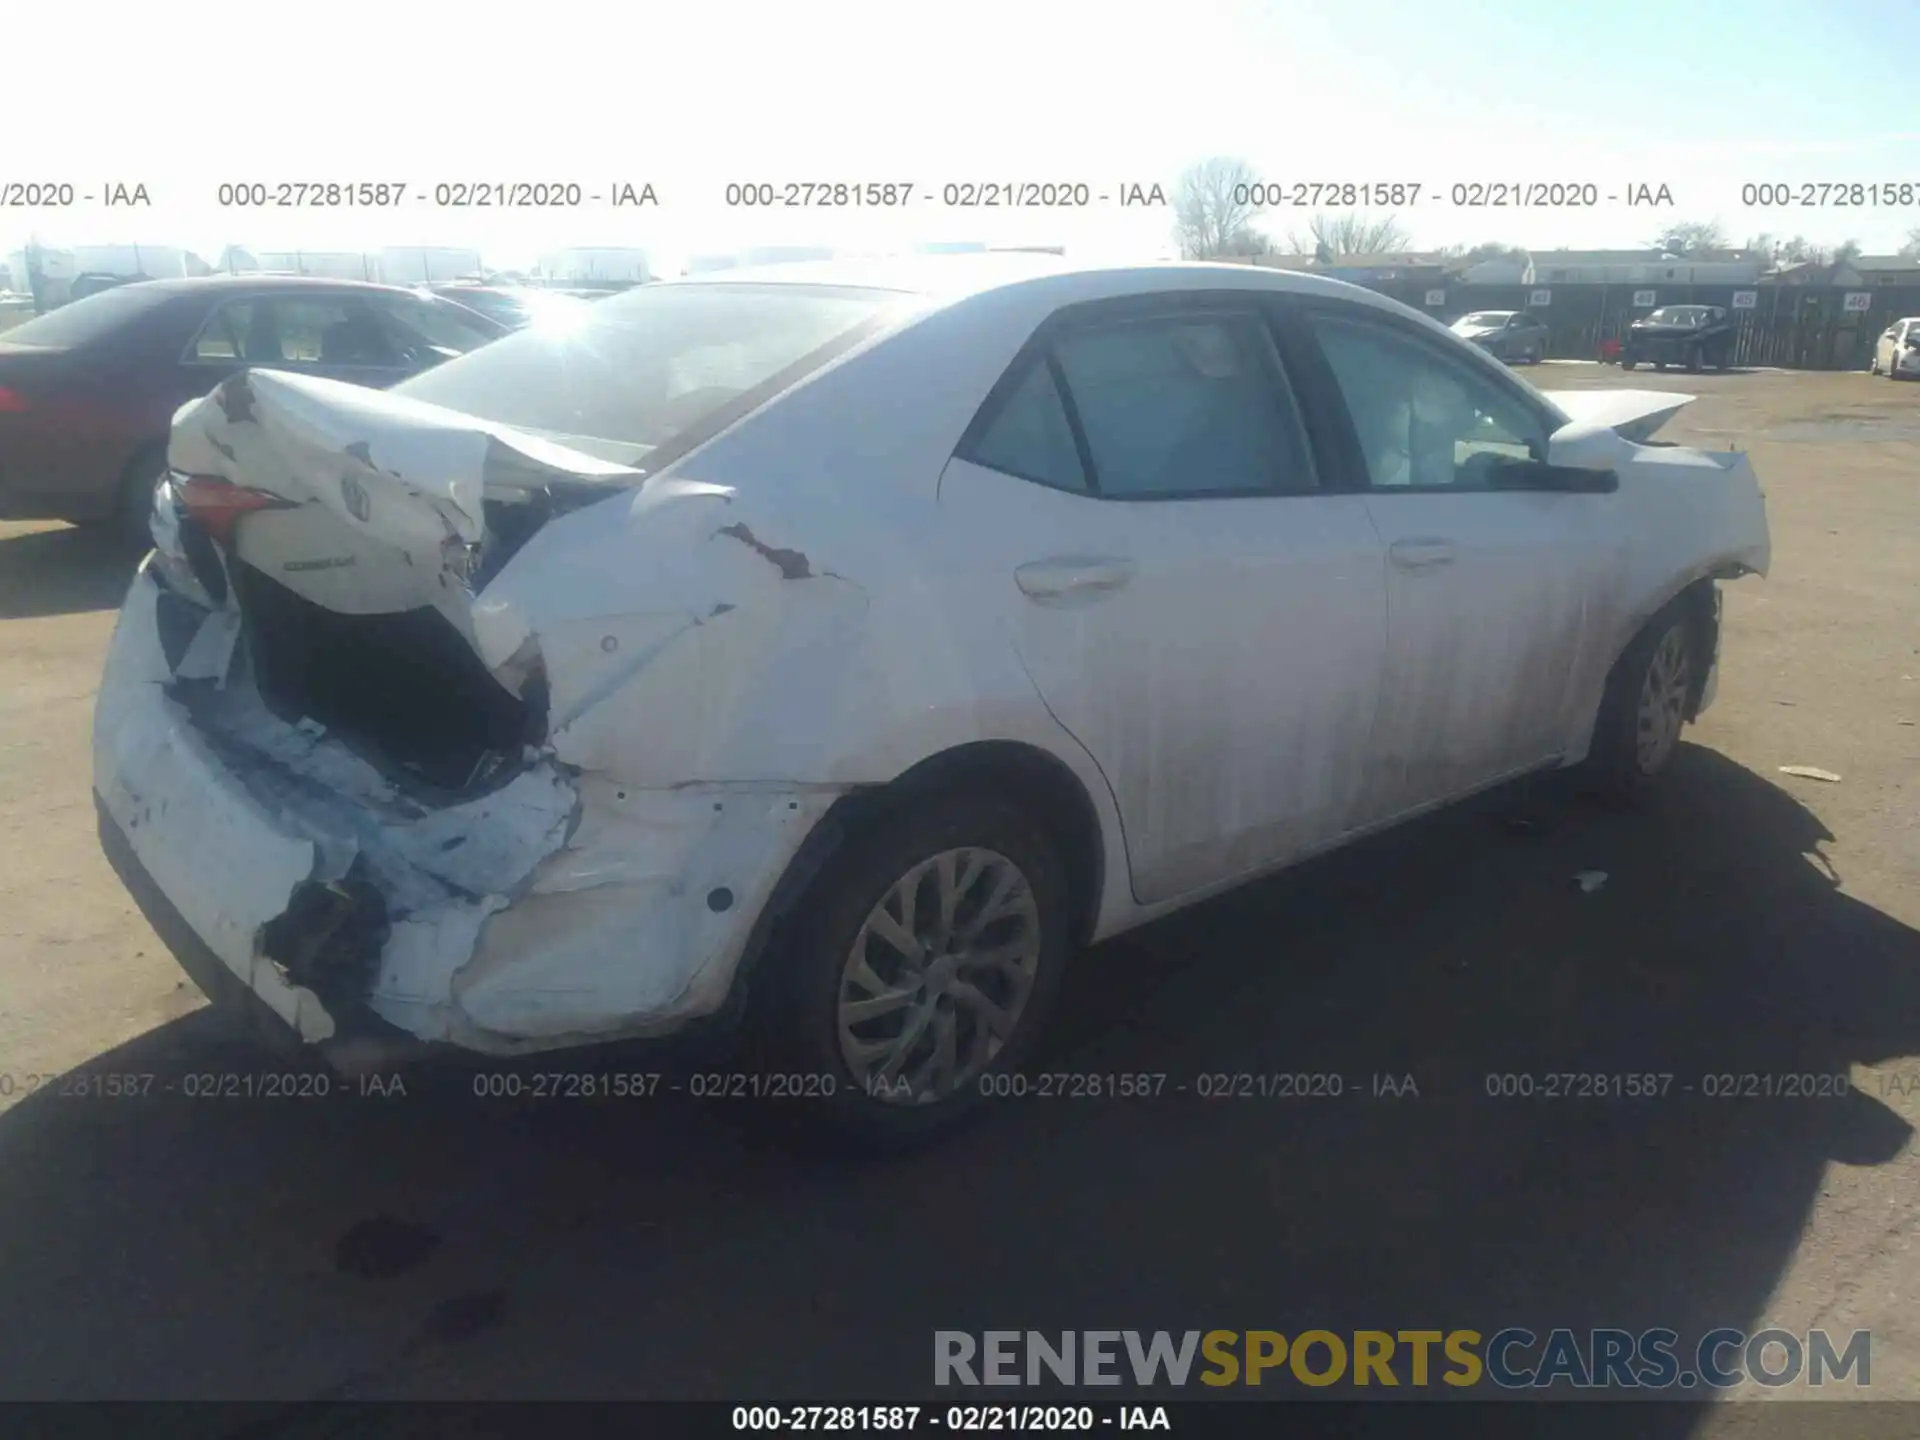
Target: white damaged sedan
pixel 844 645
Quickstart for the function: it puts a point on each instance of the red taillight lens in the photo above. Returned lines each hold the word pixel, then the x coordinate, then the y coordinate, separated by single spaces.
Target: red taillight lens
pixel 12 402
pixel 217 505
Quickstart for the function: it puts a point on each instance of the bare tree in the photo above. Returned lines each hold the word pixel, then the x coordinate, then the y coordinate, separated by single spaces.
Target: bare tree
pixel 1846 250
pixel 1911 250
pixel 1494 250
pixel 1691 237
pixel 1351 232
pixel 1213 210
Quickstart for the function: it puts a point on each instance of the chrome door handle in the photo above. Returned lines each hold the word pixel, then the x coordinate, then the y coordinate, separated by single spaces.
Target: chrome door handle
pixel 1084 576
pixel 1420 554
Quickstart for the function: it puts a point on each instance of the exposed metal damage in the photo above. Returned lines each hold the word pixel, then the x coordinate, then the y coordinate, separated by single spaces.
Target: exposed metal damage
pixel 555 893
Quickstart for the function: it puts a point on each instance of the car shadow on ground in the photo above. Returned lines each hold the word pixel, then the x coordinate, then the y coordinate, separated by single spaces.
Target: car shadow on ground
pixel 443 1245
pixel 65 571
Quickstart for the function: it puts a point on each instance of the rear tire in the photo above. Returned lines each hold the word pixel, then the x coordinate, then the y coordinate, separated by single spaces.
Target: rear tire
pixel 1627 364
pixel 1695 361
pixel 908 1033
pixel 132 517
pixel 1645 704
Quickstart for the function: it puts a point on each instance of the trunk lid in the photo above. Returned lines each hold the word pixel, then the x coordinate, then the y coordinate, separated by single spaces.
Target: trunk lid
pixel 393 490
pixel 351 596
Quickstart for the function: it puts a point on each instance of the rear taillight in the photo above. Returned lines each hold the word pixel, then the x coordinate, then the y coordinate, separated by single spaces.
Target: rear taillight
pixel 12 402
pixel 217 505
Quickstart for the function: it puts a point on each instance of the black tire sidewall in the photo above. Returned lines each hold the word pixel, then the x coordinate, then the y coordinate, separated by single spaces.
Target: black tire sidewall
pixel 798 1003
pixel 1613 759
pixel 133 505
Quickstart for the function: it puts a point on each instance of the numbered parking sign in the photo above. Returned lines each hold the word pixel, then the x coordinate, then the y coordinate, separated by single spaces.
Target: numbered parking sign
pixel 1858 300
pixel 1436 297
pixel 1539 299
pixel 1643 299
pixel 1746 299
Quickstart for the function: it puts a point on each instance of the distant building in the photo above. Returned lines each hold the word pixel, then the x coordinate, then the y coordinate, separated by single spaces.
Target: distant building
pixel 1622 267
pixel 1872 271
pixel 328 264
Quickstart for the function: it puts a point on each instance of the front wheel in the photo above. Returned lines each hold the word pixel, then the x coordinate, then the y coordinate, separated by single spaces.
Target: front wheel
pixel 1644 707
pixel 1695 362
pixel 925 965
pixel 1627 362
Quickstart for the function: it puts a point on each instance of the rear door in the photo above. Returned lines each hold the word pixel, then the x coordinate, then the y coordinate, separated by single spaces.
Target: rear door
pixel 1498 598
pixel 1140 499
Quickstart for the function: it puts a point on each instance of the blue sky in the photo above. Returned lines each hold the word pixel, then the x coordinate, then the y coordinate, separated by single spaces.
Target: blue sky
pixel 1700 96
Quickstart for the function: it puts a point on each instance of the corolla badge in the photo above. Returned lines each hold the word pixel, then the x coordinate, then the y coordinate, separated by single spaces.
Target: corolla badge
pixel 359 503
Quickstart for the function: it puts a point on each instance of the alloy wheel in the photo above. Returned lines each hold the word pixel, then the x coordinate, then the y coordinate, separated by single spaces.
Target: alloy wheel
pixel 1663 700
pixel 937 977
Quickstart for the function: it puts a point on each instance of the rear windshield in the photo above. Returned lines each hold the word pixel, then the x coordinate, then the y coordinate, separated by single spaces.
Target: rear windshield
pixel 657 367
pixel 1677 315
pixel 85 321
pixel 1486 317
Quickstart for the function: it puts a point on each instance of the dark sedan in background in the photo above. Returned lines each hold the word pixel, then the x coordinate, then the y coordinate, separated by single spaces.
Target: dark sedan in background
pixel 88 391
pixel 1696 336
pixel 1510 335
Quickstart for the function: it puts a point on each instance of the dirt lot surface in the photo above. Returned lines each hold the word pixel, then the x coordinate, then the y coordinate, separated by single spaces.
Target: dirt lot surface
pixel 441 1245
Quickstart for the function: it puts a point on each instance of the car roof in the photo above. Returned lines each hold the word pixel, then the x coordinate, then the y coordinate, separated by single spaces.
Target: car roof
pixel 205 284
pixel 948 279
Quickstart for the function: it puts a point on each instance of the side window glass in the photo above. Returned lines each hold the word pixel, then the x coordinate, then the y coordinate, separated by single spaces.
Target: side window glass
pixel 224 335
pixel 431 324
pixel 1422 420
pixel 1030 436
pixel 1183 406
pixel 331 332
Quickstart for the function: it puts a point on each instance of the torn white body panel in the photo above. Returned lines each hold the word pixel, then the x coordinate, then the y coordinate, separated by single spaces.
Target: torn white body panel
pixel 504 909
pixel 1636 414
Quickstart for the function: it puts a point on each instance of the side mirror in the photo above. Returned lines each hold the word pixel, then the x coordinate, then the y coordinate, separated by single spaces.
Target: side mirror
pixel 1583 445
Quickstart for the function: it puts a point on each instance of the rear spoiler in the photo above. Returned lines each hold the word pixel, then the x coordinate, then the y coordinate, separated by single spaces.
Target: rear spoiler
pixel 1636 414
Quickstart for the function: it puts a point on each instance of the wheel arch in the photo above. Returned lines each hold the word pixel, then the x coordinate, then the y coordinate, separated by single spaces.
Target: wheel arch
pixel 1025 773
pixel 1697 595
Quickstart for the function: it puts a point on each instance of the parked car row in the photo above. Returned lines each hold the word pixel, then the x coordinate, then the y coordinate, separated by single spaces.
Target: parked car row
pixel 1694 337
pixel 831 650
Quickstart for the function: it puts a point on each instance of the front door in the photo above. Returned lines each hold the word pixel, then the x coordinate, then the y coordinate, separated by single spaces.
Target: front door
pixel 1496 596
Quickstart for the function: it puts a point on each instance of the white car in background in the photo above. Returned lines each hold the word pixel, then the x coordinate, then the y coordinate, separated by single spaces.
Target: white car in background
pixel 1896 354
pixel 841 647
